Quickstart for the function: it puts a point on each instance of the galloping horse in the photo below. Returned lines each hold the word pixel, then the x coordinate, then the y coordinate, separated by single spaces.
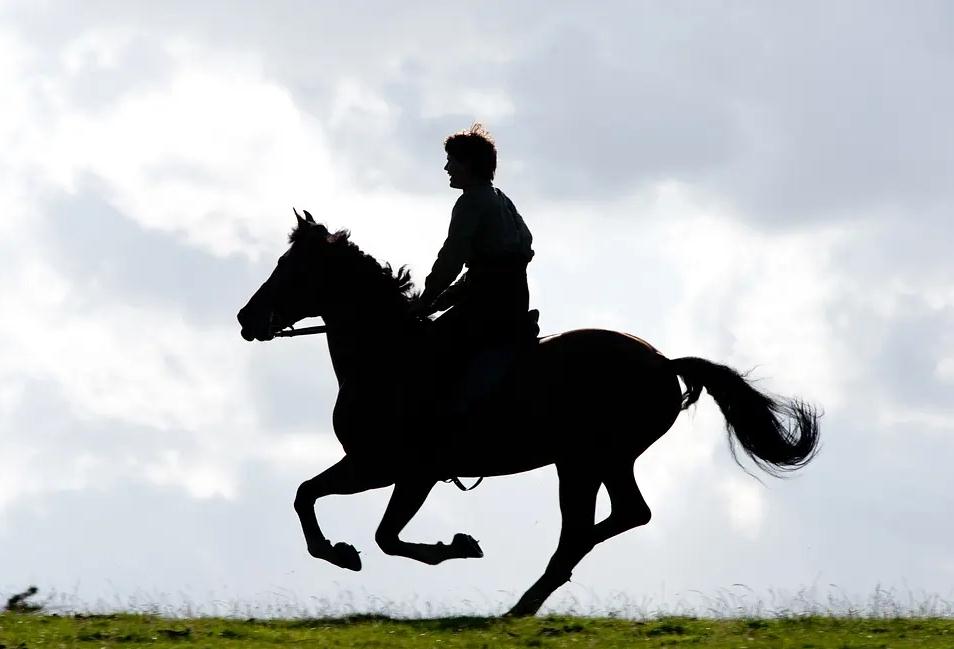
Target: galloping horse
pixel 589 401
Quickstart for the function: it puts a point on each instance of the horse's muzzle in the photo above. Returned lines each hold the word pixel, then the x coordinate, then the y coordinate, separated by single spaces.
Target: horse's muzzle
pixel 252 332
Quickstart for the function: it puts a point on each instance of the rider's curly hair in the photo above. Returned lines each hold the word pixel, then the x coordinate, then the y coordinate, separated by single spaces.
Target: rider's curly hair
pixel 474 146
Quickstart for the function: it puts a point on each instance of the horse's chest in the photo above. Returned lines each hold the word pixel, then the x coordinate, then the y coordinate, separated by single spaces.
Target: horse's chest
pixel 365 410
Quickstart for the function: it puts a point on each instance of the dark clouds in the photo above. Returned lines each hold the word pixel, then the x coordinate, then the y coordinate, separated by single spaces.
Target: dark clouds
pixel 595 123
pixel 113 258
pixel 789 111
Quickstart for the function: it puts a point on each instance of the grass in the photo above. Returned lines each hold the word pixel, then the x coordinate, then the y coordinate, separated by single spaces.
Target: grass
pixel 738 601
pixel 22 630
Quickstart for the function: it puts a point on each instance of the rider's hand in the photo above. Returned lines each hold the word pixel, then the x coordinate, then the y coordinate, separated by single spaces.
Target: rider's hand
pixel 420 309
pixel 444 302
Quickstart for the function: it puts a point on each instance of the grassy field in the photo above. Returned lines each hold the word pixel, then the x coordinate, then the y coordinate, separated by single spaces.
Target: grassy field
pixel 25 631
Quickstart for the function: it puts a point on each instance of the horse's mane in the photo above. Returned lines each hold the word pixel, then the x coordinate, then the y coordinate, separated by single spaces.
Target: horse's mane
pixel 358 271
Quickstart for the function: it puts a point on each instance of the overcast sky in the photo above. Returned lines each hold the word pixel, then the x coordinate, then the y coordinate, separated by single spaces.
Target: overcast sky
pixel 766 185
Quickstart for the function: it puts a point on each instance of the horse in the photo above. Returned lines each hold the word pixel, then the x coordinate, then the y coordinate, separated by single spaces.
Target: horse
pixel 589 401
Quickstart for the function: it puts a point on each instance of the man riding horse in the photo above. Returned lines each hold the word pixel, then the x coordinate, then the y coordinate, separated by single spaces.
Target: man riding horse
pixel 591 400
pixel 485 315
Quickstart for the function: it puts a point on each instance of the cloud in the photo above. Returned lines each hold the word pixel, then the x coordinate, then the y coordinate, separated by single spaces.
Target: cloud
pixel 745 505
pixel 790 113
pixel 109 256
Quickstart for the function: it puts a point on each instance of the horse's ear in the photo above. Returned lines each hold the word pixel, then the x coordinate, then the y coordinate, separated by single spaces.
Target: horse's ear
pixel 309 222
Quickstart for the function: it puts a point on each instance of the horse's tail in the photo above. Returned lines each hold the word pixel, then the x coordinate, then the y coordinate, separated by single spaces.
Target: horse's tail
pixel 753 418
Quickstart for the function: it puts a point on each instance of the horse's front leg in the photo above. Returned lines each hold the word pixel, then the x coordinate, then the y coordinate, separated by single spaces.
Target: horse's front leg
pixel 345 477
pixel 406 500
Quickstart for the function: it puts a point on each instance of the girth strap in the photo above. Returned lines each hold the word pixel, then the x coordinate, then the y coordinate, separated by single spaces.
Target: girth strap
pixel 460 485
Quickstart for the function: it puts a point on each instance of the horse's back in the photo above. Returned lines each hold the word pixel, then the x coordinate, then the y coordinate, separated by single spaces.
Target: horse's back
pixel 599 357
pixel 614 385
pixel 582 392
pixel 603 341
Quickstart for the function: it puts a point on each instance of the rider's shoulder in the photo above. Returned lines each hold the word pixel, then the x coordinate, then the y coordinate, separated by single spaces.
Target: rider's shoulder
pixel 476 196
pixel 470 200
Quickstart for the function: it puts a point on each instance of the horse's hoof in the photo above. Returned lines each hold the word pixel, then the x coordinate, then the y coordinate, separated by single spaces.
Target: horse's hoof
pixel 345 556
pixel 521 610
pixel 467 546
pixel 322 550
pixel 528 606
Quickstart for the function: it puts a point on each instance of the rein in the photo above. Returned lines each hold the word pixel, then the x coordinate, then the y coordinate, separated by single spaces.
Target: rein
pixel 304 331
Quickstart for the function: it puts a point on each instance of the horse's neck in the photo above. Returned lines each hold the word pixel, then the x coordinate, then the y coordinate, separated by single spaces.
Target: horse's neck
pixel 354 343
pixel 341 348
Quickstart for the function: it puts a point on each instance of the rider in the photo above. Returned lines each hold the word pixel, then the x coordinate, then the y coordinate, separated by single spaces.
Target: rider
pixel 487 316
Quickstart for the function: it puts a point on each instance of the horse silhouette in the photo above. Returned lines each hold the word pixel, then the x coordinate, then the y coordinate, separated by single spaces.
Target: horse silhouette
pixel 589 401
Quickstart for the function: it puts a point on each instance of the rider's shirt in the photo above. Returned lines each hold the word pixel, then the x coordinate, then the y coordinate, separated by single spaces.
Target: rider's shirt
pixel 485 230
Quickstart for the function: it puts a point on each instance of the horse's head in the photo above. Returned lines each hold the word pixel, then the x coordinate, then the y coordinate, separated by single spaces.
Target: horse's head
pixel 294 290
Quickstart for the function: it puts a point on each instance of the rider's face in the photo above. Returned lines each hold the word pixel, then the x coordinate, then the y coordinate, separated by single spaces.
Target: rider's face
pixel 460 174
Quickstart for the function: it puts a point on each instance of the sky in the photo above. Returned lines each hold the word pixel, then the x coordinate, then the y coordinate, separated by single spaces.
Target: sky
pixel 765 185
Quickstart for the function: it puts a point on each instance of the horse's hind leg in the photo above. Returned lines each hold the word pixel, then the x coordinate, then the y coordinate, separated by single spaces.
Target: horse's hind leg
pixel 629 510
pixel 578 489
pixel 406 500
pixel 345 477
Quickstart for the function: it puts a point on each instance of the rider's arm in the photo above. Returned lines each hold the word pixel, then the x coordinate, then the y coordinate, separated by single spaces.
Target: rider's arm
pixel 451 295
pixel 455 252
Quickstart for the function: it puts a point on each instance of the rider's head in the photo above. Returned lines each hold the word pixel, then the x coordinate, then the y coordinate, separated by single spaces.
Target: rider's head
pixel 471 157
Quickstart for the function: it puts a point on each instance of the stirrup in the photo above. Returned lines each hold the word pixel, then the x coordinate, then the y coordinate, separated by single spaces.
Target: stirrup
pixel 460 485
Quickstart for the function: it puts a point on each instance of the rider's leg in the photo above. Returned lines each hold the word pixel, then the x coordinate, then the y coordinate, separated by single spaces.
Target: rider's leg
pixel 406 500
pixel 483 374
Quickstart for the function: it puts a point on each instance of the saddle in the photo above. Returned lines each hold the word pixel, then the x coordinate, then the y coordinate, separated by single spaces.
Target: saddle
pixel 484 368
pixel 452 376
pixel 442 399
